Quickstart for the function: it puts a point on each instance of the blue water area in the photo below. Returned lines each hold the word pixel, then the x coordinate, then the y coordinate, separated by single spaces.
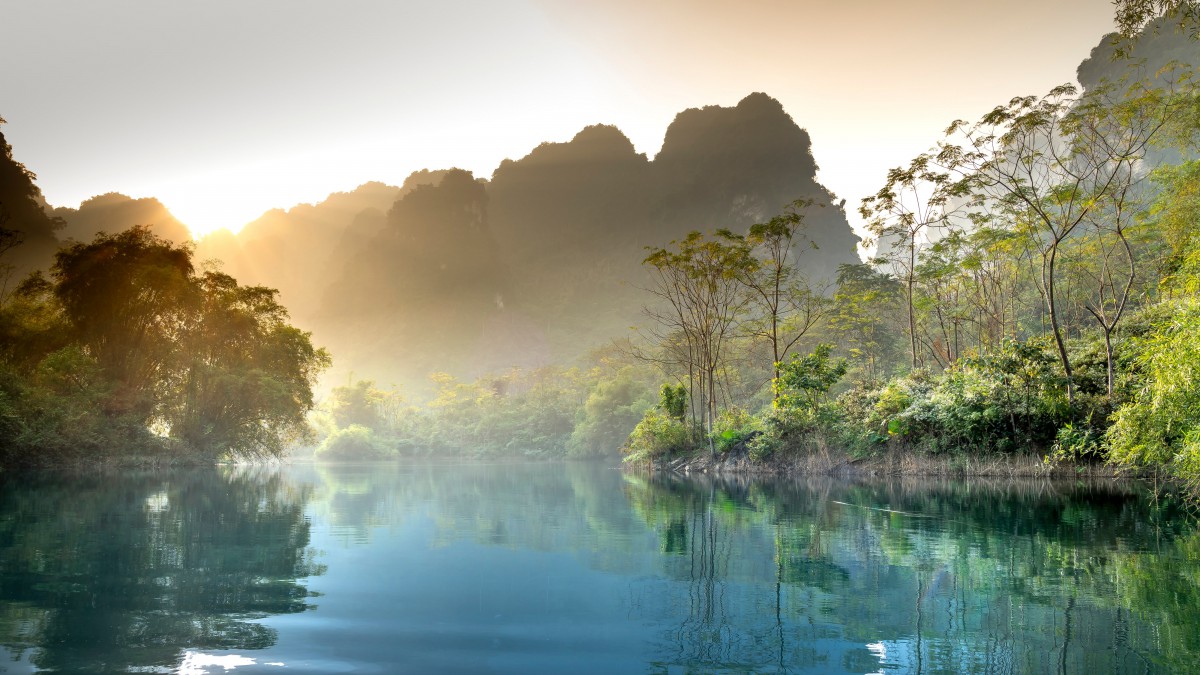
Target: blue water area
pixel 582 568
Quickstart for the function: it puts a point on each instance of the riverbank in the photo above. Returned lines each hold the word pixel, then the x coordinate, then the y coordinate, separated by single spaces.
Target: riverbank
pixel 827 462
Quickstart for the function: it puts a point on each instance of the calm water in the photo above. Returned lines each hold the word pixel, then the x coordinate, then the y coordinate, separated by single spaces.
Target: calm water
pixel 577 568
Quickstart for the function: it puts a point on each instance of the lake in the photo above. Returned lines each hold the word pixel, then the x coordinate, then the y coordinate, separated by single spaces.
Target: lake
pixel 581 568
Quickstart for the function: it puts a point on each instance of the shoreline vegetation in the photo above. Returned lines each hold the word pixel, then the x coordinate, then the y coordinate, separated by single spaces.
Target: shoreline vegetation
pixel 894 464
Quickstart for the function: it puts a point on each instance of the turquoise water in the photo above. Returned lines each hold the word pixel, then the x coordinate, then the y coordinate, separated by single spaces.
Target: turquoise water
pixel 583 569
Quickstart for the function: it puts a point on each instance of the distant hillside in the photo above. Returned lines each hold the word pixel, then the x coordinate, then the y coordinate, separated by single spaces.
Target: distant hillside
pixel 114 212
pixel 550 264
pixel 539 264
pixel 291 249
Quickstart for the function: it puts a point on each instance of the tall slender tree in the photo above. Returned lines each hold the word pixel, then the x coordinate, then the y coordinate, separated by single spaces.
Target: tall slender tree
pixel 697 282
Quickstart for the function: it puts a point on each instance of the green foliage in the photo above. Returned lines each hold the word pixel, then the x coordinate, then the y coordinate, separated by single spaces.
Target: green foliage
pixel 354 442
pixel 673 401
pixel 126 339
pixel 1002 402
pixel 864 320
pixel 125 297
pixel 57 413
pixel 1005 401
pixel 1161 424
pixel 1174 213
pixel 734 429
pixel 243 376
pixel 611 412
pixel 359 403
pixel 659 435
pixel 1074 443
pixel 804 382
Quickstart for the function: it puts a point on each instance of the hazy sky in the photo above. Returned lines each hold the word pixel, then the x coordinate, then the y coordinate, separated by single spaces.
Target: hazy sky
pixel 226 108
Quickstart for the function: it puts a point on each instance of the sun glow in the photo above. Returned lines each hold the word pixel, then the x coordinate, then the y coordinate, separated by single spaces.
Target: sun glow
pixel 231 197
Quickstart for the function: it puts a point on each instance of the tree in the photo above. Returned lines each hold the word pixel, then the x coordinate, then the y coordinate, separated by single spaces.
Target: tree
pixel 22 212
pixel 787 305
pixel 1108 265
pixel 805 381
pixel 609 414
pixel 914 200
pixel 128 298
pixel 359 403
pixel 863 318
pixel 703 298
pixel 245 375
pixel 1161 425
pixel 211 363
pixel 1045 166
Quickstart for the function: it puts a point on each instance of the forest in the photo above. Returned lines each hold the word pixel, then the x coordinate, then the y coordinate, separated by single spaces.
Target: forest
pixel 1030 290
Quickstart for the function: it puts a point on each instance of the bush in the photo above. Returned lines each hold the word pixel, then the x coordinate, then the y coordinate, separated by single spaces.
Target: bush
pixel 658 435
pixel 734 428
pixel 1161 425
pixel 1002 401
pixel 354 442
pixel 1073 443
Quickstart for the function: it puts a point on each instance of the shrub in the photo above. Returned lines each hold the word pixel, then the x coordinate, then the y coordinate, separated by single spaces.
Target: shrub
pixel 980 405
pixel 658 435
pixel 734 428
pixel 353 442
pixel 1161 425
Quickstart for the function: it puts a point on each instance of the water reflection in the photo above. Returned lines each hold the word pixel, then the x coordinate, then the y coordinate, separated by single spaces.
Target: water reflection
pixel 923 577
pixel 104 573
pixel 580 568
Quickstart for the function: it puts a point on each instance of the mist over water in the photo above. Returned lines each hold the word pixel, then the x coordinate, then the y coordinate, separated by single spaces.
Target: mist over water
pixel 573 568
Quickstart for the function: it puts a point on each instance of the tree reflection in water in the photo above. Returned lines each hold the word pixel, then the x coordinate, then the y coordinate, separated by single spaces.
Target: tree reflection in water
pixel 124 572
pixel 923 576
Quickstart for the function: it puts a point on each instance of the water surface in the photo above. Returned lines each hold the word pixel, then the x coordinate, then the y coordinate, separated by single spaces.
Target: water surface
pixel 581 568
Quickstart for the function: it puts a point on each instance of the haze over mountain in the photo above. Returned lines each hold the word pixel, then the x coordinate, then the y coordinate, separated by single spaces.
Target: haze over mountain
pixel 543 262
pixel 114 212
pixel 540 264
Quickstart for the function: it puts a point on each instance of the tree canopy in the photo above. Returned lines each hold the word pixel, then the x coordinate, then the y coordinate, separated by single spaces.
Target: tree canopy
pixel 126 348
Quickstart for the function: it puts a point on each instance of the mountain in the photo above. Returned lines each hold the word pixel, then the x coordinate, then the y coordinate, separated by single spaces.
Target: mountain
pixel 114 212
pixel 292 249
pixel 540 263
pixel 544 261
pixel 1158 45
pixel 733 167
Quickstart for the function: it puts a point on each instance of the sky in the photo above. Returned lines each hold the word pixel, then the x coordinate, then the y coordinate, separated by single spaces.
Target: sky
pixel 223 109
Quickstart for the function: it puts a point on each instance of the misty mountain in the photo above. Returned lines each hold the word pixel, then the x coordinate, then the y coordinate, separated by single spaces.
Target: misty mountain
pixel 425 289
pixel 539 264
pixel 544 261
pixel 1160 44
pixel 733 167
pixel 113 212
pixel 292 249
pixel 1160 47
